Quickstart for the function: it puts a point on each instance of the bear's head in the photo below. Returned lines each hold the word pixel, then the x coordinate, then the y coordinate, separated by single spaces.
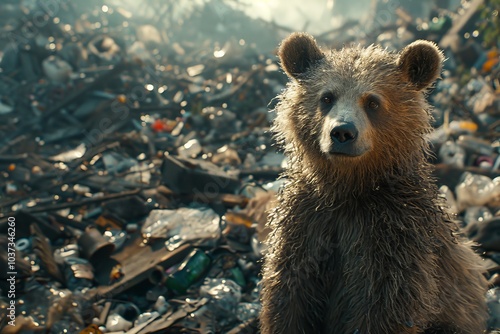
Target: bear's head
pixel 355 107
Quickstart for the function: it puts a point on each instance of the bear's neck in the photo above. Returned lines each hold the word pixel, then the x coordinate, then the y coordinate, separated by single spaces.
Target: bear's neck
pixel 332 184
pixel 400 200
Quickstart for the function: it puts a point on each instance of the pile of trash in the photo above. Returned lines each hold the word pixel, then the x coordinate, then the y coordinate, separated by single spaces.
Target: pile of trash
pixel 137 164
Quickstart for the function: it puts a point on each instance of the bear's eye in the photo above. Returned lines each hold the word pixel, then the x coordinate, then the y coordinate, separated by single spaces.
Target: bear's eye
pixel 328 98
pixel 373 105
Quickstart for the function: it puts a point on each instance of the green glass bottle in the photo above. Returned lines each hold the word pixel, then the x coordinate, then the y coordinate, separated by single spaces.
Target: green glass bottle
pixel 194 266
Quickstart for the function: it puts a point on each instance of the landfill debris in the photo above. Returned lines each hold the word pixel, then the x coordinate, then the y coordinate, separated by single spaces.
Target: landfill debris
pixel 137 161
pixel 181 225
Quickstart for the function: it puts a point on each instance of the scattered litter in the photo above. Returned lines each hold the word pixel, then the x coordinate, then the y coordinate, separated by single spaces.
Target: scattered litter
pixel 137 159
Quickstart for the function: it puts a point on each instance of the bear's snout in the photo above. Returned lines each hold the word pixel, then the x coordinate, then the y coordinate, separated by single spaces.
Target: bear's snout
pixel 344 140
pixel 344 134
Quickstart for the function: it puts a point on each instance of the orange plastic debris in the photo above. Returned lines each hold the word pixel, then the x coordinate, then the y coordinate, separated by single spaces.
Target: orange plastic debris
pixel 121 98
pixel 91 329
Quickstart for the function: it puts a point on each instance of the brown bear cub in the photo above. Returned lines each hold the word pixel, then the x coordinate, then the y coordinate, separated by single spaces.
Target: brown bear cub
pixel 361 242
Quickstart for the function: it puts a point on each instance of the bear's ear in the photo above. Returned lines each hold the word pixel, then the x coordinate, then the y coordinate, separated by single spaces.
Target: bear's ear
pixel 421 63
pixel 297 53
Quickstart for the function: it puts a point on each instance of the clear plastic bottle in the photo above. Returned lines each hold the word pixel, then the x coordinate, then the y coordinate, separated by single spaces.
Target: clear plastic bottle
pixel 476 190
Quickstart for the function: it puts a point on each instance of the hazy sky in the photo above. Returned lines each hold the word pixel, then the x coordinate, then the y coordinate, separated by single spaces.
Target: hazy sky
pixel 294 13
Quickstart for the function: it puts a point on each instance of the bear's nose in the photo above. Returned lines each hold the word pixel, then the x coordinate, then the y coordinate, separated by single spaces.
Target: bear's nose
pixel 344 133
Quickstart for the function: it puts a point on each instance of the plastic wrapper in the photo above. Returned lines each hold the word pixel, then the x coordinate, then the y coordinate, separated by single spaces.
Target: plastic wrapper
pixel 183 223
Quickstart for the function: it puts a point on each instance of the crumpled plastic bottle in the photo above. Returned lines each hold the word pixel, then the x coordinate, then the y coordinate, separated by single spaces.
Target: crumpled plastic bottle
pixel 225 294
pixel 476 190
